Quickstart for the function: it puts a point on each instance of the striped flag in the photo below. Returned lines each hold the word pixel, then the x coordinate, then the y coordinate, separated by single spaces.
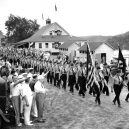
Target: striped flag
pixel 90 68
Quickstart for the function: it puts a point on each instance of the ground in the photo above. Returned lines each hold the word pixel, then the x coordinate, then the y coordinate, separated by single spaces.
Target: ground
pixel 66 111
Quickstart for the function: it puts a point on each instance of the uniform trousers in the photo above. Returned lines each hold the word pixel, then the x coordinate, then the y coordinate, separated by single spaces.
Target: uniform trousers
pixel 27 110
pixel 64 79
pixel 127 96
pixel 34 106
pixel 51 77
pixel 40 98
pixel 16 105
pixel 97 92
pixel 56 80
pixel 72 81
pixel 48 77
pixel 82 85
pixel 117 90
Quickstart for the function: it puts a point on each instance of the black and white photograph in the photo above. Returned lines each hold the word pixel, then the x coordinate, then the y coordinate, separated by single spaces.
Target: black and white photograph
pixel 64 64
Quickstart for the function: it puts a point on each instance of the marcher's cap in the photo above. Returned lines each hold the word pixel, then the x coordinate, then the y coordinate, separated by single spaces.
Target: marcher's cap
pixel 35 75
pixel 98 67
pixel 71 64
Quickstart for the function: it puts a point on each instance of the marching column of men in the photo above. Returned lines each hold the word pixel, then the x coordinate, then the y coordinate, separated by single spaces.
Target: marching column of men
pixel 59 74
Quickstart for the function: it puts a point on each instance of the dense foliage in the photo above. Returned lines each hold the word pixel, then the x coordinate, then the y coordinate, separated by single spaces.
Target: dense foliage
pixel 19 28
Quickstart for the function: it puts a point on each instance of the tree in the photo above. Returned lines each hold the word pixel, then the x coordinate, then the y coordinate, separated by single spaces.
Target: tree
pixel 19 28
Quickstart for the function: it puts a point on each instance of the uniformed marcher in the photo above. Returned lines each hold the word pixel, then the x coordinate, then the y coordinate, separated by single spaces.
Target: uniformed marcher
pixel 96 88
pixel 82 81
pixel 71 79
pixel 117 86
pixel 64 77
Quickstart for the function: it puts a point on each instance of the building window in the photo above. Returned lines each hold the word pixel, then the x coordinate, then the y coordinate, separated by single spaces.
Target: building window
pixel 50 32
pixel 46 45
pixel 40 45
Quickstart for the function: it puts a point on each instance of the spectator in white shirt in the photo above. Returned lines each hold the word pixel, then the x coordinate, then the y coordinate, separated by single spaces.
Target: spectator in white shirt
pixel 15 89
pixel 40 96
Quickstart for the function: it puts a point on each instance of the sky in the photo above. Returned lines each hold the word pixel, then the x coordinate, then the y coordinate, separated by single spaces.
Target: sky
pixel 78 17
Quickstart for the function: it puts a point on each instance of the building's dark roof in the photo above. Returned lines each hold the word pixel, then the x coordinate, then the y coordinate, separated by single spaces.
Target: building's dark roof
pixel 50 38
pixel 44 28
pixel 39 37
pixel 66 44
pixel 93 46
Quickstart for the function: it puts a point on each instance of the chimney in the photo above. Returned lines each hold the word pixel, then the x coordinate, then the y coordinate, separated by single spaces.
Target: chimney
pixel 48 21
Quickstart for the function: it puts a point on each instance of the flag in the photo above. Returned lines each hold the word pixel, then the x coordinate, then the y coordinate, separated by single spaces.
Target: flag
pixel 90 67
pixel 55 7
pixel 121 61
pixel 42 16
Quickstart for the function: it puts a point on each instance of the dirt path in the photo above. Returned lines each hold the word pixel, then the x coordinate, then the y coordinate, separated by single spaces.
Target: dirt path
pixel 66 111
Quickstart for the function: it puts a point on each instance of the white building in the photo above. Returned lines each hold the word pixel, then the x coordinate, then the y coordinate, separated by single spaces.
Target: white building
pixel 49 38
pixel 55 39
pixel 101 51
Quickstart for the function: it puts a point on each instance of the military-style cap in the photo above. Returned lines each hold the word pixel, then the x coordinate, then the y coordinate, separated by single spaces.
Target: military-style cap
pixel 30 68
pixel 35 75
pixel 98 67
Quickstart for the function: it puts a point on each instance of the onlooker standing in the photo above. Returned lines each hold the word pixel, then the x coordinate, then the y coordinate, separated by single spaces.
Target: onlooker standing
pixel 15 89
pixel 40 96
pixel 34 107
pixel 27 96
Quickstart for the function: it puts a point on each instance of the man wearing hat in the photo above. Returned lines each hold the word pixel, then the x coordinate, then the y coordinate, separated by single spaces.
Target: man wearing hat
pixel 15 90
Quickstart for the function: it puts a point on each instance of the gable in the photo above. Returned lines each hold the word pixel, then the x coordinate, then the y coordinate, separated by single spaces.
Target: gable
pixel 103 48
pixel 74 46
pixel 53 28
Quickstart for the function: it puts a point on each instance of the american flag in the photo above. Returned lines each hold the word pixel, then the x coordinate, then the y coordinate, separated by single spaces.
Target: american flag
pixel 90 68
